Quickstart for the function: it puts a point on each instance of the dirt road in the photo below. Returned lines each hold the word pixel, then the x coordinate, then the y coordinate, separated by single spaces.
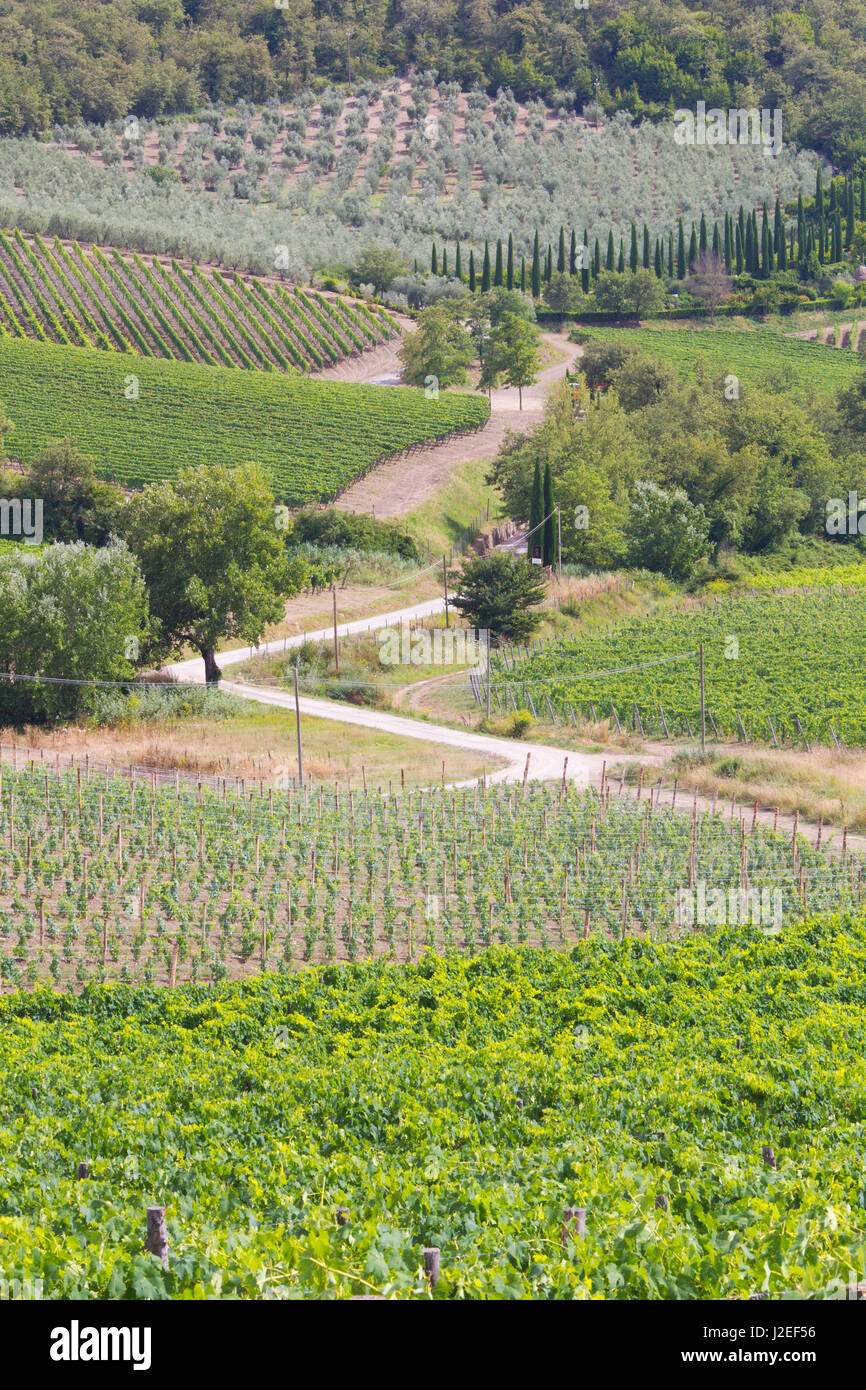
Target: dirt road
pixel 401 485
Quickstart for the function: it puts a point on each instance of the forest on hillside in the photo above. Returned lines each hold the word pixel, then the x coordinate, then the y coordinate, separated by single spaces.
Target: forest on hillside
pixel 99 60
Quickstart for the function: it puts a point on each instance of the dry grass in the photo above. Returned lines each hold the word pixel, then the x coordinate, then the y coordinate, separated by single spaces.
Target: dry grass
pixel 258 744
pixel 826 783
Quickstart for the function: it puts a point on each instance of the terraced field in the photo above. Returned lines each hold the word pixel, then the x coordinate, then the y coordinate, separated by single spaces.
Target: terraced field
pixel 143 419
pixel 127 303
pixel 748 355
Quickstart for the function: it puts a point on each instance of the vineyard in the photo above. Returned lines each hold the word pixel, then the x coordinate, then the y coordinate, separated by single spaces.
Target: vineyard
pixel 143 418
pixel 112 878
pixel 102 299
pixel 701 1105
pixel 749 355
pixel 776 666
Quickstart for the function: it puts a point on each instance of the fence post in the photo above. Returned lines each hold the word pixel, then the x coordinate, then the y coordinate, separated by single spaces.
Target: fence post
pixel 156 1241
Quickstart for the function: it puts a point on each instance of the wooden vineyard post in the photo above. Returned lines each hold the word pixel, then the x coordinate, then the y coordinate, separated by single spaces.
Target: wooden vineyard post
pixel 41 922
pixel 172 974
pixel 445 580
pixel 768 1156
pixel 573 1224
pixel 156 1240
pixel 431 1265
pixel 264 945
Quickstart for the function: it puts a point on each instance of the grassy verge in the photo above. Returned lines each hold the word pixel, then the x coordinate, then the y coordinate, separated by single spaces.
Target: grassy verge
pixel 438 522
pixel 259 743
pixel 826 783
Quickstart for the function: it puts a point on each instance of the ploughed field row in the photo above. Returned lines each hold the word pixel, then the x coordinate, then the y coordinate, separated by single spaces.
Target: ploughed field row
pixel 111 877
pixel 104 299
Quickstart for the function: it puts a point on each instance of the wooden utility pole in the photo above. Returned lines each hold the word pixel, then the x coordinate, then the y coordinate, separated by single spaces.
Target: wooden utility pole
pixel 559 542
pixel 703 702
pixel 445 578
pixel 488 673
pixel 298 722
pixel 336 639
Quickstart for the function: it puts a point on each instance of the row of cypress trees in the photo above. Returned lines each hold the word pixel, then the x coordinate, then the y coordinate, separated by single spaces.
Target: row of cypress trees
pixel 541 506
pixel 822 234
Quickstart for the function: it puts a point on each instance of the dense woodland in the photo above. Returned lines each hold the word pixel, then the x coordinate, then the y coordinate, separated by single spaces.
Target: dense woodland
pixel 63 60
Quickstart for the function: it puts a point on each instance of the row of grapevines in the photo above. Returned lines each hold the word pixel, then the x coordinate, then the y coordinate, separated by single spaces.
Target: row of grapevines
pixel 104 287
pixel 123 344
pixel 37 268
pixel 245 303
pixel 197 286
pixel 97 337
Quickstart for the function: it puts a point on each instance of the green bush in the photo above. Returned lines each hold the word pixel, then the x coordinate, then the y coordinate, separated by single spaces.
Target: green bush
pixel 329 526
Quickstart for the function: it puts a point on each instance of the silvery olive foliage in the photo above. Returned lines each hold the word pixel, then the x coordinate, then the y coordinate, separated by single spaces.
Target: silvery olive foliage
pixel 338 180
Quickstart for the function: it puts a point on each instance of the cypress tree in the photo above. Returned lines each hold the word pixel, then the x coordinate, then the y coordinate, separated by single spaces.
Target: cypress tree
pixel 819 195
pixel 434 261
pixel 728 261
pixel 535 539
pixel 498 278
pixel 458 264
pixel 560 252
pixel 831 205
pixel 485 270
pixel 693 248
pixel 444 260
pixel 837 235
pixel 572 254
pixel 620 265
pixel 703 239
pixel 822 238
pixel 611 253
pixel 778 228
pixel 681 251
pixel 849 230
pixel 632 250
pixel 509 264
pixel 671 255
pixel 790 260
pixel 782 255
pixel 863 198
pixel 523 275
pixel 472 269
pixel 801 227
pixel 549 547
pixel 658 259
pixel 767 236
pixel 756 245
pixel 548 267
pixel 739 251
pixel 646 247
pixel 717 242
pixel 536 268
pixel 584 274
pixel 596 260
